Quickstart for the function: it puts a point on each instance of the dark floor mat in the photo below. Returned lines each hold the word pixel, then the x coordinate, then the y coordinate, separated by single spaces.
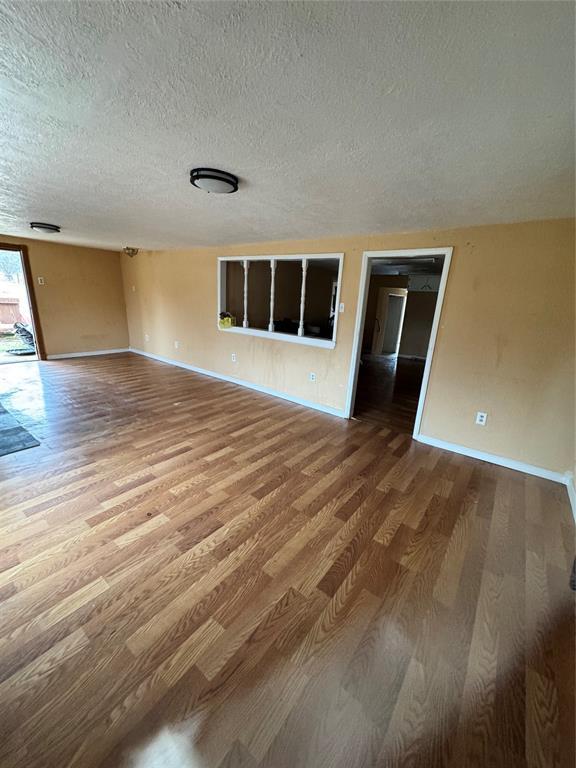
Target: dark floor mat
pixel 21 351
pixel 13 436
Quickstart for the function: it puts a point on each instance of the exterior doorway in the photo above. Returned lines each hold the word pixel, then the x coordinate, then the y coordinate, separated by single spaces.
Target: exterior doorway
pixel 20 337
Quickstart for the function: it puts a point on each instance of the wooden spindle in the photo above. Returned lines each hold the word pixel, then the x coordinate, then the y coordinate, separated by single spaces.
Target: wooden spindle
pixel 303 297
pixel 246 267
pixel 272 283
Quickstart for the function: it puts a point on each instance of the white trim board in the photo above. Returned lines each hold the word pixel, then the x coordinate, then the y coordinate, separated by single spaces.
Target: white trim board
pixel 241 383
pixel 566 479
pixel 571 492
pixel 311 341
pixel 502 461
pixel 367 259
pixel 66 355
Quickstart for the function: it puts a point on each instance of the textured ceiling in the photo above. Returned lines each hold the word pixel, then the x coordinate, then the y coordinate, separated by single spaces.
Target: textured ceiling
pixel 339 118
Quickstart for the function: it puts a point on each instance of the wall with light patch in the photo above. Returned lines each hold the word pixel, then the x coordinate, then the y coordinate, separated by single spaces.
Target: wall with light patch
pixel 505 343
pixel 81 302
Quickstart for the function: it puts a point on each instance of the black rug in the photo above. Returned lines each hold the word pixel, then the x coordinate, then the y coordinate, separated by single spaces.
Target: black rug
pixel 13 437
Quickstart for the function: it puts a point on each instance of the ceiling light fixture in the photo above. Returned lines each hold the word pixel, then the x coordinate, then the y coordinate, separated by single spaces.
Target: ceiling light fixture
pixel 213 180
pixel 40 226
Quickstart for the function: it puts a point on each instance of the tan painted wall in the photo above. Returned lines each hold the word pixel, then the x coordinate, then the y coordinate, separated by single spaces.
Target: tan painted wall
pixel 81 305
pixel 505 343
pixel 418 318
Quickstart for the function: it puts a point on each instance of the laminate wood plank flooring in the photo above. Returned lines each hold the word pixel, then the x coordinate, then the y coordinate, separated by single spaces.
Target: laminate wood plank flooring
pixel 191 566
pixel 388 390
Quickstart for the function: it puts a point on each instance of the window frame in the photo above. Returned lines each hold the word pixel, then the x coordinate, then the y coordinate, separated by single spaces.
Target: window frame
pixel 274 335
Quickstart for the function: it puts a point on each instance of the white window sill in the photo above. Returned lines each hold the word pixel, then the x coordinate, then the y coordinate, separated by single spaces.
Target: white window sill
pixel 309 341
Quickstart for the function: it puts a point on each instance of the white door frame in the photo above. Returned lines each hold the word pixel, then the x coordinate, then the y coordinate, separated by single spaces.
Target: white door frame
pixel 368 258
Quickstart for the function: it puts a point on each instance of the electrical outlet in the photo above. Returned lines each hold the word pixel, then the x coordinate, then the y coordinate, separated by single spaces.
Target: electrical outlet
pixel 40 281
pixel 133 289
pixel 481 418
pixel 341 308
pixel 233 357
pixel 312 376
pixel 146 337
pixel 176 345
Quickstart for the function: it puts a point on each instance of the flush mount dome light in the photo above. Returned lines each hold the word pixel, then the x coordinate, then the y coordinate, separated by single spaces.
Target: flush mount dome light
pixel 40 226
pixel 213 180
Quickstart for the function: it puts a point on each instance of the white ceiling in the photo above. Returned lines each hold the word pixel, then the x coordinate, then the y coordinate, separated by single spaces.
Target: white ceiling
pixel 339 118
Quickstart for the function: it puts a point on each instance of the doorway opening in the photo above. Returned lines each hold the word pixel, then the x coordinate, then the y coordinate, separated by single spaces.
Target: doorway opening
pixel 18 336
pixel 399 308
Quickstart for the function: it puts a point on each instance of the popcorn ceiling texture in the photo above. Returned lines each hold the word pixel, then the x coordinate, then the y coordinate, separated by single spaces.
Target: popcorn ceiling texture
pixel 338 117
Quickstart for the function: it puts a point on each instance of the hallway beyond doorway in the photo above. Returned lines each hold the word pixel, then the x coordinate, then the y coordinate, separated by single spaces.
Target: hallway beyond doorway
pixel 388 390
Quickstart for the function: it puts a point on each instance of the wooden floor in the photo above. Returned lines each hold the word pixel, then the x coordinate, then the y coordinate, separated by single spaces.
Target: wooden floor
pixel 182 555
pixel 388 390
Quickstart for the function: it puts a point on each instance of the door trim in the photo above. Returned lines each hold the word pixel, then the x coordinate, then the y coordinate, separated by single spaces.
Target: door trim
pixel 29 282
pixel 367 259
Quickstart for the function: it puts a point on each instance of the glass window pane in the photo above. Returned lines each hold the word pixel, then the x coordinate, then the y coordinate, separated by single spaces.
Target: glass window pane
pixel 321 292
pixel 259 281
pixel 288 285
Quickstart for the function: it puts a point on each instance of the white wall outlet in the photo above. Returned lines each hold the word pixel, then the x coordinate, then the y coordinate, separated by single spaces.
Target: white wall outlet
pixel 176 345
pixel 133 289
pixel 312 376
pixel 233 357
pixel 341 308
pixel 146 337
pixel 40 281
pixel 481 418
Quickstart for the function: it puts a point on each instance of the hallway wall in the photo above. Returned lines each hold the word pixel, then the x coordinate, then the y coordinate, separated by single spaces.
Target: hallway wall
pixel 418 318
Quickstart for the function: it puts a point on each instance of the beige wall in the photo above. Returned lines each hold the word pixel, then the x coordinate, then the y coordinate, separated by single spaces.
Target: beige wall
pixel 81 305
pixel 505 343
pixel 418 319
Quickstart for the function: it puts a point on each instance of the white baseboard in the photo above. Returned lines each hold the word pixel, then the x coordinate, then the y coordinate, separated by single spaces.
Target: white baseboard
pixel 566 478
pixel 519 466
pixel 66 355
pixel 242 383
pixel 571 492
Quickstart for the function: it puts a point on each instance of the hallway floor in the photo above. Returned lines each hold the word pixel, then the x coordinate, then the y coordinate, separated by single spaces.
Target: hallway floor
pixel 388 391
